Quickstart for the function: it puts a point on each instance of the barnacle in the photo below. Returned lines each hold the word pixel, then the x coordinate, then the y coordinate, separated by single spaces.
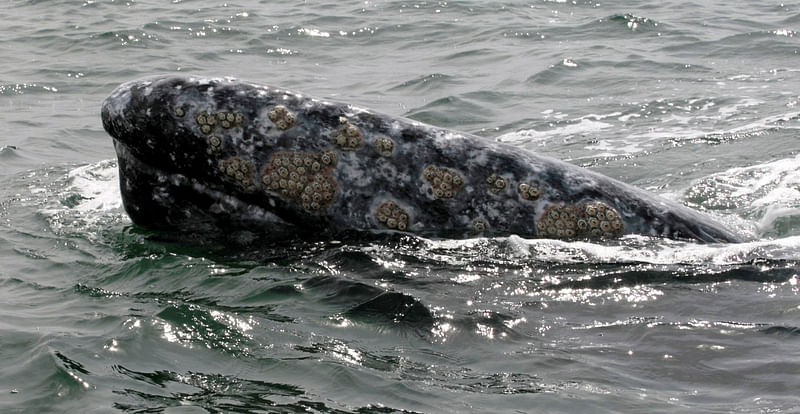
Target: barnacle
pixel 589 220
pixel 445 182
pixel 281 117
pixel 208 121
pixel 240 171
pixel 314 189
pixel 479 225
pixel 347 137
pixel 529 192
pixel 214 144
pixel 385 146
pixel 391 215
pixel 496 183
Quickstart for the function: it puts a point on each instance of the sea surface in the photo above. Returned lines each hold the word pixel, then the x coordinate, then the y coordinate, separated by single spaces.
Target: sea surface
pixel 695 101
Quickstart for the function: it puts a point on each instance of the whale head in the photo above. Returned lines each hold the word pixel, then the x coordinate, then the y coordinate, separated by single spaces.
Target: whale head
pixel 217 155
pixel 176 138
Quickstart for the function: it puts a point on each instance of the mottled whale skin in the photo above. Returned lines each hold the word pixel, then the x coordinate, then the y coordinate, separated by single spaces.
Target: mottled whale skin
pixel 217 154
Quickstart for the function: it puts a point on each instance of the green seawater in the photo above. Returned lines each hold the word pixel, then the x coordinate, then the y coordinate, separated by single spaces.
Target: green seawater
pixel 697 102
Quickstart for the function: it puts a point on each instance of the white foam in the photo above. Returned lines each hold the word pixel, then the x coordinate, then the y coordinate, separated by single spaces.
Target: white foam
pixel 768 192
pixel 631 249
pixel 582 126
pixel 86 199
pixel 97 185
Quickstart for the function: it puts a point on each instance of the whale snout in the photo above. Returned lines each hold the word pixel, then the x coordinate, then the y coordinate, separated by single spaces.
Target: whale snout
pixel 145 116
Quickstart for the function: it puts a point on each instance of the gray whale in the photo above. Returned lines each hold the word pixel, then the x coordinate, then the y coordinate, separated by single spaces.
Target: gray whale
pixel 221 155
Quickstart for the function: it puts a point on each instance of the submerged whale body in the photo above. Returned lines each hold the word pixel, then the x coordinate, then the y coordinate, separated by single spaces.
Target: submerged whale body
pixel 223 155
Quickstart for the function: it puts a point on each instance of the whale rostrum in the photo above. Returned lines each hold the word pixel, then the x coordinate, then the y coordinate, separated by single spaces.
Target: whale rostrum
pixel 217 154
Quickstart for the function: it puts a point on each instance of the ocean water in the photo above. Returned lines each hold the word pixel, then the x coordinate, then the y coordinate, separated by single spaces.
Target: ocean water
pixel 695 101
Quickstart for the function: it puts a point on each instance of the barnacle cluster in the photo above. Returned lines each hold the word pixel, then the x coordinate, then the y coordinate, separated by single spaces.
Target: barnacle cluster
pixel 496 183
pixel 479 225
pixel 392 215
pixel 347 137
pixel 239 170
pixel 281 117
pixel 385 146
pixel 446 182
pixel 529 191
pixel 209 121
pixel 586 220
pixel 214 144
pixel 302 177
